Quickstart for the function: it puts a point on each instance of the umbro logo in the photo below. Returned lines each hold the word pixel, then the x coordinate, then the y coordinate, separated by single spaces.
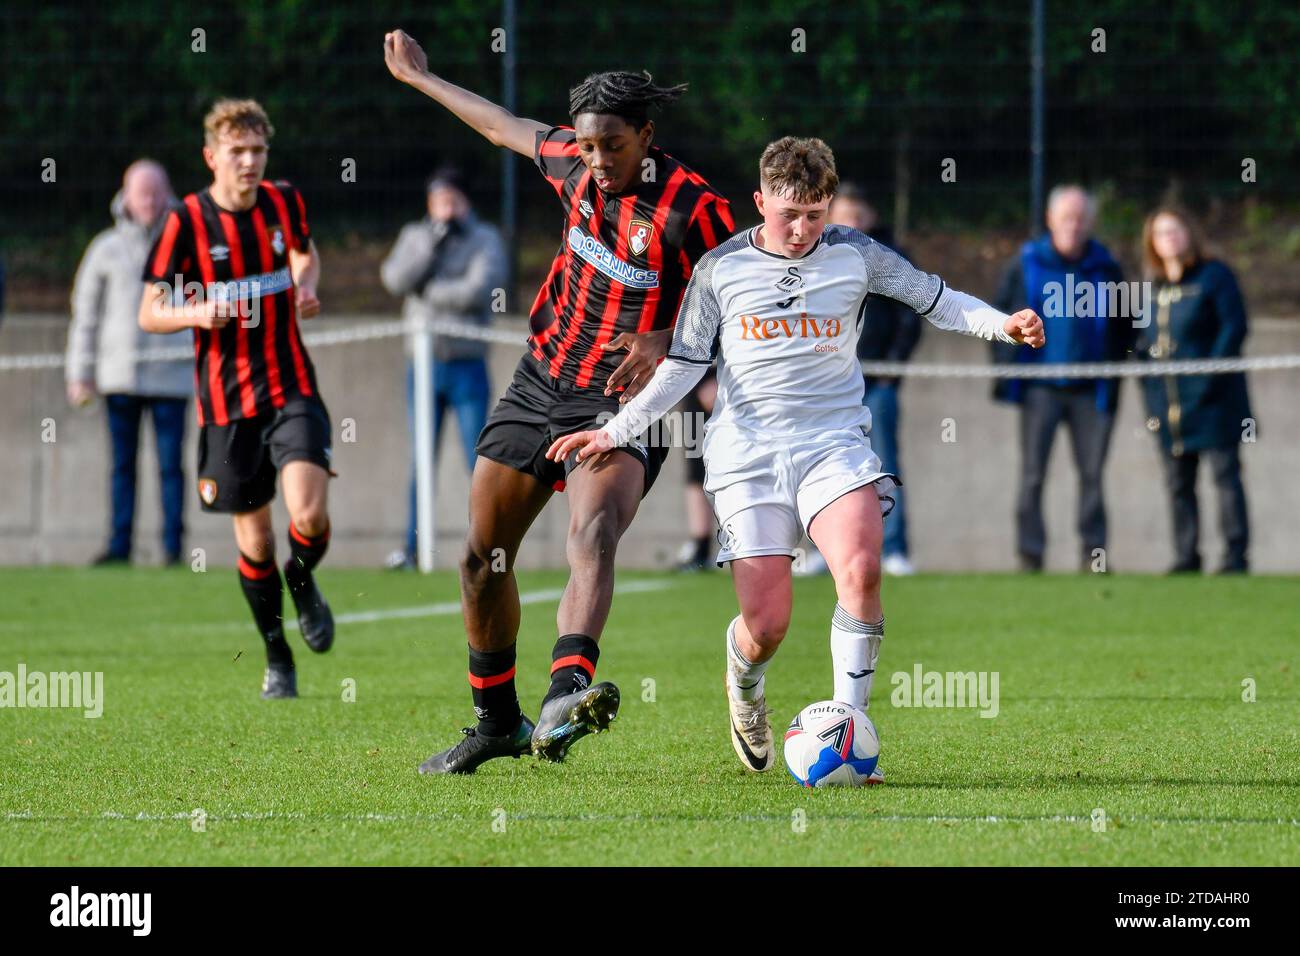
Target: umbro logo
pixel 861 674
pixel 585 207
pixel 219 253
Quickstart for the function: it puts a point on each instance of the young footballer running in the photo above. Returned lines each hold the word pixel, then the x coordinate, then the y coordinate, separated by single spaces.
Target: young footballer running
pixel 635 222
pixel 244 242
pixel 787 448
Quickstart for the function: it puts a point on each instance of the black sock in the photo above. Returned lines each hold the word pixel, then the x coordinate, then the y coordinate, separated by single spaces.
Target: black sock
pixel 492 682
pixel 573 664
pixel 702 549
pixel 260 581
pixel 304 554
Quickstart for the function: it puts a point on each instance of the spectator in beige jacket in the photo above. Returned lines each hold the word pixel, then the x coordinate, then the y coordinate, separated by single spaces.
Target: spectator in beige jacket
pixel 104 340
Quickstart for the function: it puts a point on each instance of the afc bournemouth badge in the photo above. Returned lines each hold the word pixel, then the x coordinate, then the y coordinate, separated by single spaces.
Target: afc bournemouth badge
pixel 207 490
pixel 277 241
pixel 639 234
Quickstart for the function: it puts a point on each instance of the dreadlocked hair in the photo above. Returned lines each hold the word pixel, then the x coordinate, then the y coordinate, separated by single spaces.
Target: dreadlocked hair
pixel 629 95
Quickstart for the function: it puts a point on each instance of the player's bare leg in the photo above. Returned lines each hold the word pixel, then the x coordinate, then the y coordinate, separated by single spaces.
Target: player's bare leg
pixel 849 532
pixel 306 492
pixel 259 579
pixel 604 494
pixel 765 593
pixel 503 504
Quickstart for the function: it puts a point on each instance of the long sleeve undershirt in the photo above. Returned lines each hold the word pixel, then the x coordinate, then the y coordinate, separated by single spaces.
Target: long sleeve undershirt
pixel 672 381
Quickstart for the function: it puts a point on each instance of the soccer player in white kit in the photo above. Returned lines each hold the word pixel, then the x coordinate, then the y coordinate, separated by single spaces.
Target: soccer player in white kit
pixel 787 448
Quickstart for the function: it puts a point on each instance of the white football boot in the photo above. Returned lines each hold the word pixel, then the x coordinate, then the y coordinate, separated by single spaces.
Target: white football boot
pixel 751 734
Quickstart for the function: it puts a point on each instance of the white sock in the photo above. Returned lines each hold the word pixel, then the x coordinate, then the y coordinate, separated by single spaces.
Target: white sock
pixel 855 647
pixel 744 680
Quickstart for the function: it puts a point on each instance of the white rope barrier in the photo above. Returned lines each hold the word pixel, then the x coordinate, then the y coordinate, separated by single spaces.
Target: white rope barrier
pixel 376 330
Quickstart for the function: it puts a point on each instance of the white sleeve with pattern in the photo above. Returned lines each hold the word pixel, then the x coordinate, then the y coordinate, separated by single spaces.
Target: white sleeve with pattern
pixel 700 316
pixel 890 275
pixel 671 382
pixel 960 312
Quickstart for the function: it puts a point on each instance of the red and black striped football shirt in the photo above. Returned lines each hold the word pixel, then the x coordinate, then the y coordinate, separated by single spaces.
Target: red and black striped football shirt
pixel 624 260
pixel 256 363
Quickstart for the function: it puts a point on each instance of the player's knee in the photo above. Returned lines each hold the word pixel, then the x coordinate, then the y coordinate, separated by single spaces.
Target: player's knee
pixel 476 565
pixel 594 536
pixel 767 628
pixel 859 575
pixel 312 521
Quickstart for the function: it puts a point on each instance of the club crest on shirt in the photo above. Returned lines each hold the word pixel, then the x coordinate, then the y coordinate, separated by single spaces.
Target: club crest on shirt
pixel 277 240
pixel 207 490
pixel 639 234
pixel 789 285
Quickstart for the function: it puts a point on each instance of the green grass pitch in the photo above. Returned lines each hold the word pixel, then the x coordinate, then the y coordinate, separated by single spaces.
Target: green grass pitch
pixel 1122 694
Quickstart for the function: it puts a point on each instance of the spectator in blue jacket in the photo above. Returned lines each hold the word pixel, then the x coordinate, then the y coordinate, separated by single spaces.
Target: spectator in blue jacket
pixel 1071 280
pixel 1199 314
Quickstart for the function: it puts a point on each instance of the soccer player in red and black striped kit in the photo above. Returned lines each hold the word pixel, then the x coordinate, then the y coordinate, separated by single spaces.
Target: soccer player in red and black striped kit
pixel 236 263
pixel 635 222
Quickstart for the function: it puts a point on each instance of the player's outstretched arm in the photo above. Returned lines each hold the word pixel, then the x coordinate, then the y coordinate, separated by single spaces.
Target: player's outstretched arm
pixel 407 62
pixel 892 276
pixel 672 381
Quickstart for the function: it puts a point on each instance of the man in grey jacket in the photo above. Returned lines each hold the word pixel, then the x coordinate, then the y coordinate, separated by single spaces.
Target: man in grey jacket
pixel 449 266
pixel 104 340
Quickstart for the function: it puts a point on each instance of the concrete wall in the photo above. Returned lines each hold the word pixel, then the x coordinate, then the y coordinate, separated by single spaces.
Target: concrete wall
pixel 961 494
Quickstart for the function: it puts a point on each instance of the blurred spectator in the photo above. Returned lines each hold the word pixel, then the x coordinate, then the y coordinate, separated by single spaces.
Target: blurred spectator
pixel 1049 275
pixel 1199 314
pixel 890 331
pixel 103 340
pixel 448 266
pixel 696 552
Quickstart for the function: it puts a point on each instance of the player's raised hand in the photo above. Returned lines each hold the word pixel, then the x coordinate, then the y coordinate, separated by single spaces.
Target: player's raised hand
pixel 403 56
pixel 1027 328
pixel 587 444
pixel 308 304
pixel 645 350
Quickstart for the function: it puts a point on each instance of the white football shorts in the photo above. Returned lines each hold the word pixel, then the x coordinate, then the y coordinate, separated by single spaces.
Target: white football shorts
pixel 765 494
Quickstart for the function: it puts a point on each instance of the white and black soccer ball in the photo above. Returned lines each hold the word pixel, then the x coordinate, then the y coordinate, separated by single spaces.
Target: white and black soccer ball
pixel 830 744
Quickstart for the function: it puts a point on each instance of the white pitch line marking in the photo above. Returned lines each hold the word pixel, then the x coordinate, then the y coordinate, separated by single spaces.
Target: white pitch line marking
pixel 453 607
pixel 271 815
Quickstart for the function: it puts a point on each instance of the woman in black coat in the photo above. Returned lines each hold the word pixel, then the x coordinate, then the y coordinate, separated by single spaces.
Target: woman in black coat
pixel 1197 313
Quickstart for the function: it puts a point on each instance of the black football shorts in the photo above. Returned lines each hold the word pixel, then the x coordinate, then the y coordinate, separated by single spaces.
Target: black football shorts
pixel 537 409
pixel 238 462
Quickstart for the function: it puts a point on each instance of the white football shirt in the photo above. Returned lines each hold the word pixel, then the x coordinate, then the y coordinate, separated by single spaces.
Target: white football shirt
pixel 784 333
